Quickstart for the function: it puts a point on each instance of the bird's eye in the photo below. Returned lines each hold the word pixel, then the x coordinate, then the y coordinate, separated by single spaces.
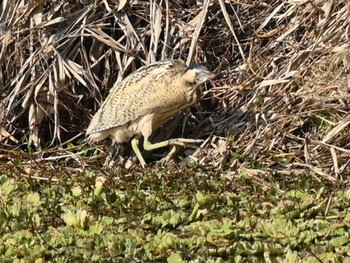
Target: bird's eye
pixel 191 81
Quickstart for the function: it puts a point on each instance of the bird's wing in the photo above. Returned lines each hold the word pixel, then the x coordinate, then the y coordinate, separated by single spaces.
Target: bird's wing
pixel 143 92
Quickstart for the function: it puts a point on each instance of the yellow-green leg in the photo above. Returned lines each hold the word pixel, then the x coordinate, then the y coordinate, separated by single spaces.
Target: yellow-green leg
pixel 170 155
pixel 148 146
pixel 135 147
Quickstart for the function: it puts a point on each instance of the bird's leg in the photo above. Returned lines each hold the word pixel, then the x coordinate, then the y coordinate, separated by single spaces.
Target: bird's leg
pixel 171 154
pixel 110 156
pixel 135 147
pixel 147 145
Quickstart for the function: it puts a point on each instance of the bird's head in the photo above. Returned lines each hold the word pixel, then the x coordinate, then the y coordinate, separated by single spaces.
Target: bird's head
pixel 197 74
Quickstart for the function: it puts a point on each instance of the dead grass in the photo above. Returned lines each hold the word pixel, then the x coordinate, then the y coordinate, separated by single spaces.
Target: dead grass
pixel 279 104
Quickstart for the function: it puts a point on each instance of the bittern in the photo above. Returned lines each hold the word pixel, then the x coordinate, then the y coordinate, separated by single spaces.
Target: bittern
pixel 145 100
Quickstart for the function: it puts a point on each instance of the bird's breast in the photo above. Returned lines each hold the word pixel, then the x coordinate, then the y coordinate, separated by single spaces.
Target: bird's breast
pixel 193 95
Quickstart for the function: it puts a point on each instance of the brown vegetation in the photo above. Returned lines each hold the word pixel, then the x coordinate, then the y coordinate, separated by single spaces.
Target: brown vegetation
pixel 280 98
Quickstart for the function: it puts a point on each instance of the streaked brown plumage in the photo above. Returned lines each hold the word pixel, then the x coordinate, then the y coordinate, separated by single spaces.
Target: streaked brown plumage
pixel 145 100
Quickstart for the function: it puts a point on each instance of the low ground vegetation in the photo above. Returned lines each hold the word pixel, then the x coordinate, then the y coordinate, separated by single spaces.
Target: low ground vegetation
pixel 270 181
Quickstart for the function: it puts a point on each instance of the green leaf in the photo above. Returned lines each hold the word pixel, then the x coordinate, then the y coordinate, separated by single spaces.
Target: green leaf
pixel 7 187
pixel 76 191
pixel 96 229
pixel 33 198
pixel 195 213
pixel 36 220
pixel 200 197
pixel 70 219
pixel 78 219
pixel 175 258
pixel 298 195
pixel 340 241
pixel 98 185
pixel 347 194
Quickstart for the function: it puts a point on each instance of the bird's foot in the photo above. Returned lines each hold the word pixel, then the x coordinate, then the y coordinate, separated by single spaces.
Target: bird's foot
pixel 185 142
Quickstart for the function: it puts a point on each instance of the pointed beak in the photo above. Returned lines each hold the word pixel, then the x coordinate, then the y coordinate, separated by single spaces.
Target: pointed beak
pixel 211 75
pixel 203 76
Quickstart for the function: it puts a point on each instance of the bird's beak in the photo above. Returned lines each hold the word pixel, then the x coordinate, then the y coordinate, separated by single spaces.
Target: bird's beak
pixel 203 76
pixel 211 75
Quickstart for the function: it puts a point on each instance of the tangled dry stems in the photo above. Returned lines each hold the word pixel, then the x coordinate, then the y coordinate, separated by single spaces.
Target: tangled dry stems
pixel 279 104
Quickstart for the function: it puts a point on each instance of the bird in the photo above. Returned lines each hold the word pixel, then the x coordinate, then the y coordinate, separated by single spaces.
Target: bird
pixel 145 100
